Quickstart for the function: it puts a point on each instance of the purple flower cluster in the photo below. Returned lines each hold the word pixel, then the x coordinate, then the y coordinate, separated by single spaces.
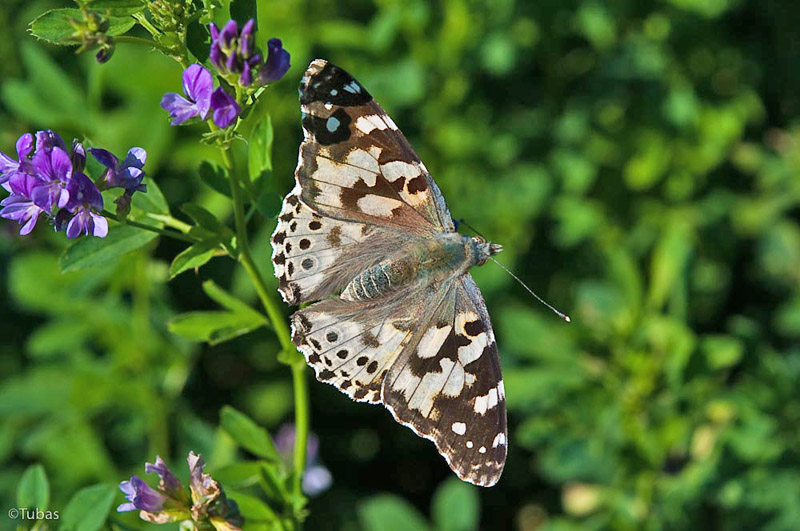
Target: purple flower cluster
pixel 50 180
pixel 204 504
pixel 239 62
pixel 234 55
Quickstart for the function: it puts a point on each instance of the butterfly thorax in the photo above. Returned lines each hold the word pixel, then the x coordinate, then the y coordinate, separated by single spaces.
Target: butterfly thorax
pixel 424 263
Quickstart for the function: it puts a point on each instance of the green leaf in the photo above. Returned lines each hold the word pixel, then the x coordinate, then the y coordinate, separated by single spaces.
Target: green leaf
pixel 213 327
pixel 260 148
pixel 667 268
pixel 264 194
pixel 205 219
pixel 214 177
pixel 239 475
pixel 248 434
pixel 90 252
pixel 722 351
pixel 47 90
pixel 456 506
pixel 269 200
pixel 243 9
pixel 208 227
pixel 54 26
pixel 386 512
pixel 196 40
pixel 151 201
pixel 33 490
pixel 252 508
pixel 88 508
pixel 228 301
pixel 117 8
pixel 193 256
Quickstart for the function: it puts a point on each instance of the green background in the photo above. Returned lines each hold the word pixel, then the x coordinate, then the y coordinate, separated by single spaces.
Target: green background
pixel 639 163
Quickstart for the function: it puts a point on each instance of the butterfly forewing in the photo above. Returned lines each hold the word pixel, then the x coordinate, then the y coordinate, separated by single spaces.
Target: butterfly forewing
pixel 354 162
pixel 427 351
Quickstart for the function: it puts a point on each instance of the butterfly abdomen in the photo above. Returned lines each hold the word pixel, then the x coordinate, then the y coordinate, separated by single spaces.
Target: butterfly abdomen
pixel 372 283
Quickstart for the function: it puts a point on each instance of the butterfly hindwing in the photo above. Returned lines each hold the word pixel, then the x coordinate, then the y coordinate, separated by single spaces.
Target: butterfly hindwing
pixel 352 346
pixel 447 386
pixel 354 164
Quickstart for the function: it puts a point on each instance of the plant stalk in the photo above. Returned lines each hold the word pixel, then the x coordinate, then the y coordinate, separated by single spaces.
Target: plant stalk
pixel 280 327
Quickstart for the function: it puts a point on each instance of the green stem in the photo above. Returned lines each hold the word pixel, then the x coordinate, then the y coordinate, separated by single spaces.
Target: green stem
pixel 301 429
pixel 144 42
pixel 157 230
pixel 281 331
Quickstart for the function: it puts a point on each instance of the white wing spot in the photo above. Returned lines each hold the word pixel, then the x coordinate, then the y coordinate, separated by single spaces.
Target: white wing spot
pixel 340 174
pixel 469 353
pixel 429 388
pixel 480 404
pixel 362 159
pixel 397 168
pixel 366 124
pixel 334 92
pixel 499 439
pixel 486 402
pixel 482 450
pixel 432 340
pixel 469 444
pixel 375 205
pixel 390 122
pixel 459 428
pixel 492 398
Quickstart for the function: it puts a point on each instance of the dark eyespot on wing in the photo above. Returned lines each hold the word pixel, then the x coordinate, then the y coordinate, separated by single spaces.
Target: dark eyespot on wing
pixel 330 130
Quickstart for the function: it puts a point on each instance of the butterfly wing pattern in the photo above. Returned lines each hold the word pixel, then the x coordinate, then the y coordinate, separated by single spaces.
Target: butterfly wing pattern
pixel 400 321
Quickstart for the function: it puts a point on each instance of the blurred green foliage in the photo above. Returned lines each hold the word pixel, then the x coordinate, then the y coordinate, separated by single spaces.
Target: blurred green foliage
pixel 639 161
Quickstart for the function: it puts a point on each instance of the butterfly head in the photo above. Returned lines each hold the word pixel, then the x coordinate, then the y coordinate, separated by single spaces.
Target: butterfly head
pixel 483 249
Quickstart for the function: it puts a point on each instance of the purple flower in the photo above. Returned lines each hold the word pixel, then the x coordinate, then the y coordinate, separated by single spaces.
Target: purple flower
pixel 317 478
pixel 169 483
pixel 225 108
pixel 84 199
pixel 141 496
pixel 233 53
pixel 104 54
pixel 277 63
pixel 48 139
pixel 54 170
pixel 208 507
pixel 127 174
pixel 10 167
pixel 78 157
pixel 203 487
pixel 18 206
pixel 197 85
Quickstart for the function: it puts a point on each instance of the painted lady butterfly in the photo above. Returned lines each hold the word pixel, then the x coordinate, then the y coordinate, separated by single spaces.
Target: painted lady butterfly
pixel 401 322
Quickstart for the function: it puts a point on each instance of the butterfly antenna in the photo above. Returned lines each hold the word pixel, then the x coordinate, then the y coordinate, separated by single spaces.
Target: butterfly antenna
pixel 538 298
pixel 470 227
pixel 515 277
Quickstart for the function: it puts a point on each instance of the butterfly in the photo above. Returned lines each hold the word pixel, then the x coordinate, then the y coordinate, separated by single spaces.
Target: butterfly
pixel 400 321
